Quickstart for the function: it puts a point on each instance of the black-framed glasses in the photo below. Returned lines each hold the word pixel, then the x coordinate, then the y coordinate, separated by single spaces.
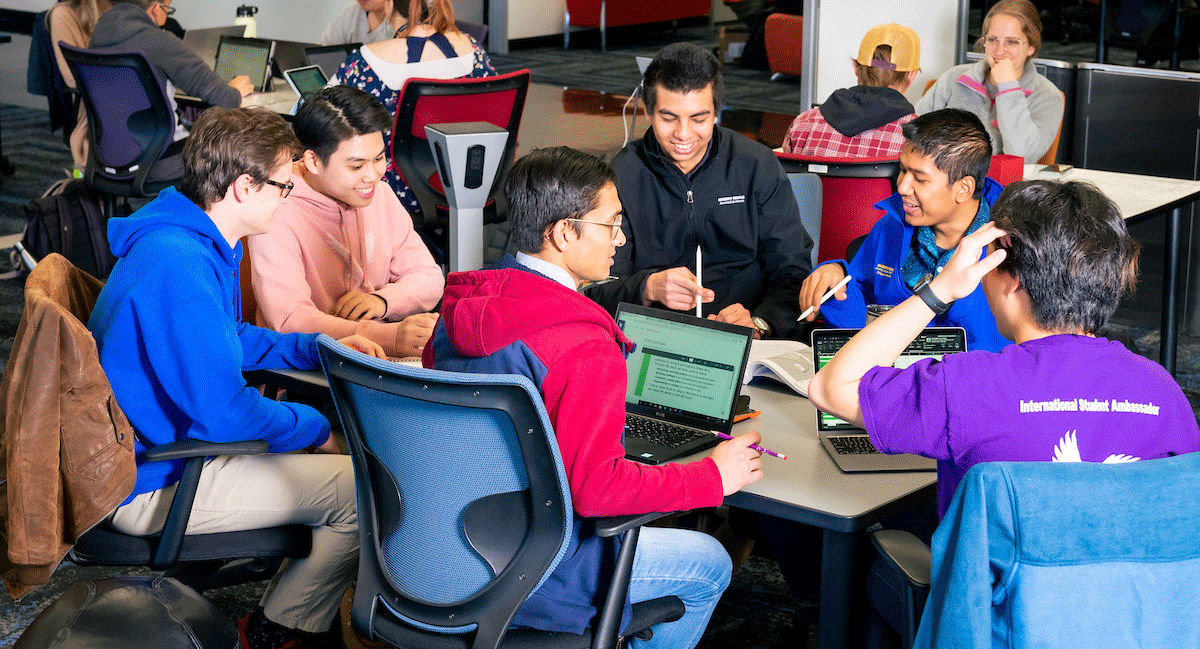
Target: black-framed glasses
pixel 615 226
pixel 284 188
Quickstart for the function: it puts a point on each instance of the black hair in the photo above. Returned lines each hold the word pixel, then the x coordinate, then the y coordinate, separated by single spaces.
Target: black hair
pixel 335 114
pixel 1069 248
pixel 683 67
pixel 956 140
pixel 549 185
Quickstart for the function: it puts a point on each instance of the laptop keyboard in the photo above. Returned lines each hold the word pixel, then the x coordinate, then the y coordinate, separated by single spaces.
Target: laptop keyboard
pixel 660 432
pixel 852 444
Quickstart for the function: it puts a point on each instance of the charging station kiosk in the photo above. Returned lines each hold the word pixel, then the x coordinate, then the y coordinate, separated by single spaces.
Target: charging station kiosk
pixel 467 155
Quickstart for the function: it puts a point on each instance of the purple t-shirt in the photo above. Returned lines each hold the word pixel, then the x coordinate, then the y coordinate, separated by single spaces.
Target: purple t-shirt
pixel 1063 398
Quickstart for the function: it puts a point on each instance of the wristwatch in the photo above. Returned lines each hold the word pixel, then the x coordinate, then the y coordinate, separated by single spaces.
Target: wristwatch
pixel 761 326
pixel 926 294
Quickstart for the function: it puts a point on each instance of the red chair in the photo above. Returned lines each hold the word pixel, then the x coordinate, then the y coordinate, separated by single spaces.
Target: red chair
pixel 783 38
pixel 498 100
pixel 849 189
pixel 602 14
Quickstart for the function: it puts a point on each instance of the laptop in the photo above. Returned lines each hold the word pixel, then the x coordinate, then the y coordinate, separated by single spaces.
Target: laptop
pixel 849 445
pixel 237 56
pixel 329 57
pixel 288 55
pixel 205 41
pixel 304 81
pixel 684 376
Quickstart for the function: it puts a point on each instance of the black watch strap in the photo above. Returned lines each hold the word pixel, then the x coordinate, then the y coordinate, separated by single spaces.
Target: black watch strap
pixel 926 294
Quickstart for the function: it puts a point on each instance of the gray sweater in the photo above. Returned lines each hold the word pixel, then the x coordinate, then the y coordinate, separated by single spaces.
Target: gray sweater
pixel 1022 121
pixel 127 28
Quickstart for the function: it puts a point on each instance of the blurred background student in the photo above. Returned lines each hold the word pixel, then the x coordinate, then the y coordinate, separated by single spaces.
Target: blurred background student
pixel 1020 108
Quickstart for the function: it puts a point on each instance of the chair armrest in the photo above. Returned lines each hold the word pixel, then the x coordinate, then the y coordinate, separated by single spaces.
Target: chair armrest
pixel 197 448
pixel 906 554
pixel 614 525
pixel 166 555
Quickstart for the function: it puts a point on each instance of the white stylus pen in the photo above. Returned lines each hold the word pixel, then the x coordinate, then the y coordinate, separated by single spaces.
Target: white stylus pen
pixel 828 294
pixel 698 284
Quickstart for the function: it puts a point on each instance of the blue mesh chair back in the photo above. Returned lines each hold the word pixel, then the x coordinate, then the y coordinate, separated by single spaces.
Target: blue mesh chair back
pixel 130 121
pixel 463 503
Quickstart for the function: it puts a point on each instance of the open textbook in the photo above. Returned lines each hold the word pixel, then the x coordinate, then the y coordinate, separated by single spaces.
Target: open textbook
pixel 787 361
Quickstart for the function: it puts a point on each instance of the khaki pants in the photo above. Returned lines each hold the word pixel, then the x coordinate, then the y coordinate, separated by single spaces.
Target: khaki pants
pixel 254 491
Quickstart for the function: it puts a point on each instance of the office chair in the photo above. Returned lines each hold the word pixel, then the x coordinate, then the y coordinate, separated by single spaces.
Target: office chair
pixel 1061 554
pixel 784 39
pixel 849 189
pixel 806 187
pixel 58 301
pixel 499 100
pixel 130 122
pixel 463 507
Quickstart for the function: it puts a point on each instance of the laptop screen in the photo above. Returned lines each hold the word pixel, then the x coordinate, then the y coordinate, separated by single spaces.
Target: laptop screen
pixel 685 367
pixel 244 56
pixel 329 57
pixel 934 342
pixel 305 80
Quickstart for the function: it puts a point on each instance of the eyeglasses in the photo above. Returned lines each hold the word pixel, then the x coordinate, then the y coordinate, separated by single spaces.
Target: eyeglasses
pixel 1009 44
pixel 167 8
pixel 284 189
pixel 615 225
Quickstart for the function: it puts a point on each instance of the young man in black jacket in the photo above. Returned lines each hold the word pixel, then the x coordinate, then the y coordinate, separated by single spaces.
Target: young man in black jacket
pixel 689 183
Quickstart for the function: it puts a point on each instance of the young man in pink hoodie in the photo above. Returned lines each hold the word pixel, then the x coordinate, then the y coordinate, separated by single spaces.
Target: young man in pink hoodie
pixel 342 256
pixel 526 316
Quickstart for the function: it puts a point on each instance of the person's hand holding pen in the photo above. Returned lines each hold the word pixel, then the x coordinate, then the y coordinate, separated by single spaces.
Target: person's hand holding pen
pixel 818 285
pixel 738 463
pixel 675 288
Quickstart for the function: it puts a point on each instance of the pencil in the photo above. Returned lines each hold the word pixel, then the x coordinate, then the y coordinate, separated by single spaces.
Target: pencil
pixel 753 446
pixel 828 294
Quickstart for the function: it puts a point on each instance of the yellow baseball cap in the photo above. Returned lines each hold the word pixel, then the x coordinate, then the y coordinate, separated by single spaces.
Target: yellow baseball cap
pixel 905 44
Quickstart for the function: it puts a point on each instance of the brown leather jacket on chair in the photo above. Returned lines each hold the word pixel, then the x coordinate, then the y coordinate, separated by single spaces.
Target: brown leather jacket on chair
pixel 67 449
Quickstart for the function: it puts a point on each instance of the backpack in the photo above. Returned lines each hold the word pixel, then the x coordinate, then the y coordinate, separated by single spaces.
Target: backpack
pixel 69 219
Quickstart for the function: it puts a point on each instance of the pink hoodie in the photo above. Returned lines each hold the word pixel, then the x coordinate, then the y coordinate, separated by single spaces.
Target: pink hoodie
pixel 317 251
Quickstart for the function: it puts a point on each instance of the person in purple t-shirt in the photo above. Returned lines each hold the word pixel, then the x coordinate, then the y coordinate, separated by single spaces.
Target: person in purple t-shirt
pixel 1058 261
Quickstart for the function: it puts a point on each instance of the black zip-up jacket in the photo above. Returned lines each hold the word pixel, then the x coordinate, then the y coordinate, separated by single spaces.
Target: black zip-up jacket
pixel 738 204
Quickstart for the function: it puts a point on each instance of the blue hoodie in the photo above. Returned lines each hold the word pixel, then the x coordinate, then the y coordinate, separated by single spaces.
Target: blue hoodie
pixel 174 348
pixel 876 272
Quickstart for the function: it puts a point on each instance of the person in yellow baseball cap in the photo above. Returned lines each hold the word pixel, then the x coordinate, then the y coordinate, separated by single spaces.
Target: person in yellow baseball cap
pixel 864 121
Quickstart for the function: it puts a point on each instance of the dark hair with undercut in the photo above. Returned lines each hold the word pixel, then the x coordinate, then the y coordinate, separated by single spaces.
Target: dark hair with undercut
pixel 335 114
pixel 228 142
pixel 957 142
pixel 683 67
pixel 549 185
pixel 1069 248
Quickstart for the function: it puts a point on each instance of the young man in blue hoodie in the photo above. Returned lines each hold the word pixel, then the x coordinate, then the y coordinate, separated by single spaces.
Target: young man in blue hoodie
pixel 943 194
pixel 173 347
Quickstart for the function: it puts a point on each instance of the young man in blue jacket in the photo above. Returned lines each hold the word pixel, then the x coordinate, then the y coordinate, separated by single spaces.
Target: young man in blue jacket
pixel 173 347
pixel 943 194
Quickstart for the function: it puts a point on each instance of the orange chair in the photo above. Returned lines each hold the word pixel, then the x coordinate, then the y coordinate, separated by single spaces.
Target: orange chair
pixel 849 189
pixel 784 37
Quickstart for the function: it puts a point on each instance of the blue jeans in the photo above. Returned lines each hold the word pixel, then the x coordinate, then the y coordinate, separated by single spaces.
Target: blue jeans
pixel 694 567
